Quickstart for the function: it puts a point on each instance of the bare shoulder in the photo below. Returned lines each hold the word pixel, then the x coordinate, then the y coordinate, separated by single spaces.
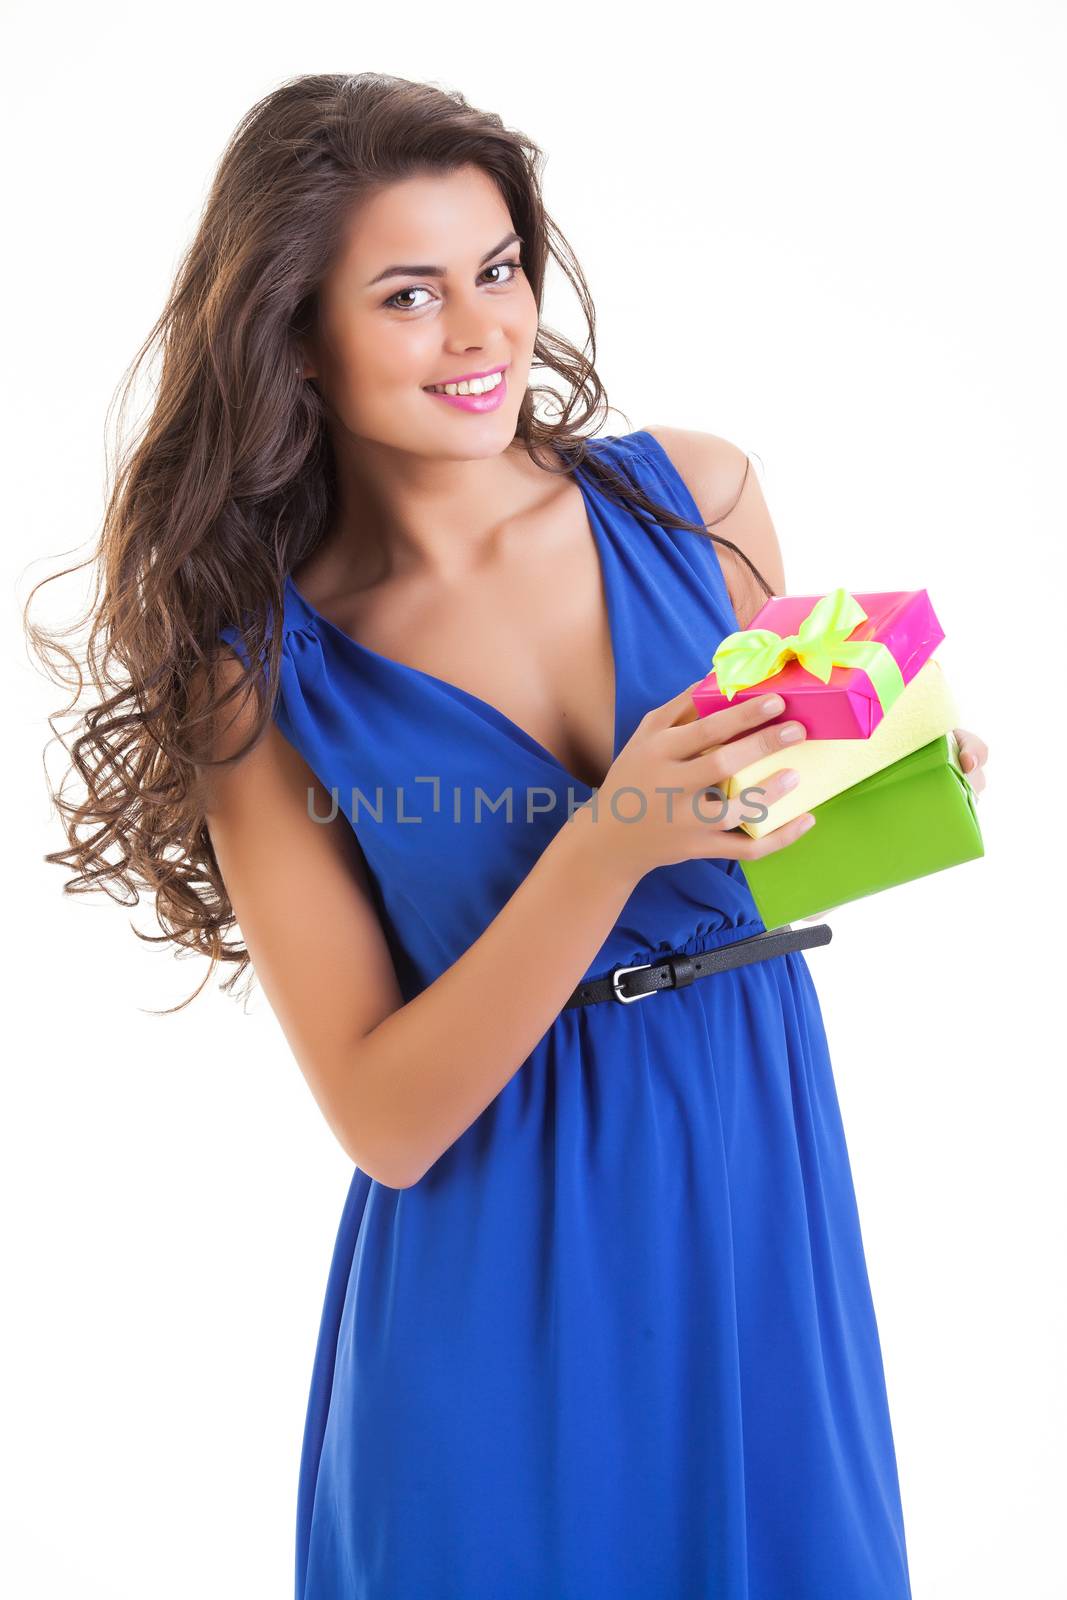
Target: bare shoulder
pixel 713 468
pixel 222 704
pixel 724 484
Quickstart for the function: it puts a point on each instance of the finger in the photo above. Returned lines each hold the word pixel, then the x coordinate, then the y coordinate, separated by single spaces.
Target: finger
pixel 719 763
pixel 688 712
pixel 716 728
pixel 973 751
pixel 740 846
pixel 711 808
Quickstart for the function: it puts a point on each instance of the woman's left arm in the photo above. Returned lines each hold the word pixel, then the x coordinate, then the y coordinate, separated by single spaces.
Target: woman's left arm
pixel 723 482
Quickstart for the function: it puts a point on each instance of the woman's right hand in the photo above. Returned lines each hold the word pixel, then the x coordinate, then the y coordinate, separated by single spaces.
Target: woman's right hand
pixel 674 748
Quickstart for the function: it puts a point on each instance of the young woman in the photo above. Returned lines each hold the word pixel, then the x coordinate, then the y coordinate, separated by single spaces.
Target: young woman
pixel 405 692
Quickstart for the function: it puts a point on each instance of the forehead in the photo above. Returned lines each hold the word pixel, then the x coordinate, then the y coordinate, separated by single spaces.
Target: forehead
pixel 438 217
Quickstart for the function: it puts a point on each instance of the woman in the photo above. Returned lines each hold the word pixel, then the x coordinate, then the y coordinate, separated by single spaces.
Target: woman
pixel 397 658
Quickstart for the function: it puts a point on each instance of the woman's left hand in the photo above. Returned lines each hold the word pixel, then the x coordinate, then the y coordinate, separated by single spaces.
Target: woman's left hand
pixel 973 755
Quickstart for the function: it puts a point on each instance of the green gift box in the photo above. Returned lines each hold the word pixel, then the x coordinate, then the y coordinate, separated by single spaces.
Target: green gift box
pixel 914 817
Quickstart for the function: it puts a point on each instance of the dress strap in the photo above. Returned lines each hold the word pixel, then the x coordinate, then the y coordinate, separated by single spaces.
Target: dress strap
pixel 660 478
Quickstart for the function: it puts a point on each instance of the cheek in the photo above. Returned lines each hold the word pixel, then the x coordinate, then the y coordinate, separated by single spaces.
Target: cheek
pixel 386 354
pixel 525 318
pixel 381 363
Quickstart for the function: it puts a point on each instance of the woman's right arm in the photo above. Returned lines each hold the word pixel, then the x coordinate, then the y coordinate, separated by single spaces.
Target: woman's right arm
pixel 399 1083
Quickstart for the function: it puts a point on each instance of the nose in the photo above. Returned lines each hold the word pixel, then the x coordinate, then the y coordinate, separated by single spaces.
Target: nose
pixel 469 339
pixel 471 325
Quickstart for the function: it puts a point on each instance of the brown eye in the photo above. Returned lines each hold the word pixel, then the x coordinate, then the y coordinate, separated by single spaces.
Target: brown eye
pixel 517 265
pixel 393 298
pixel 497 266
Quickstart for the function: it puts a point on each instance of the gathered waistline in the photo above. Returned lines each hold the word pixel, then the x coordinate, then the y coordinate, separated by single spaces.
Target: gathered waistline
pixel 725 951
pixel 691 946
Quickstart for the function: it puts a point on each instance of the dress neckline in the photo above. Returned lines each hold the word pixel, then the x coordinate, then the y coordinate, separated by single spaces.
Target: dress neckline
pixel 485 708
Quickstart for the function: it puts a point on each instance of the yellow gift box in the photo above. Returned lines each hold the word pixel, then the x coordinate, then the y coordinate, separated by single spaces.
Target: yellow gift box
pixel 922 711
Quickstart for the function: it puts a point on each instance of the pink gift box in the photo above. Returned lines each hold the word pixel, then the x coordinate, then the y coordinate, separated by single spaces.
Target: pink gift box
pixel 847 706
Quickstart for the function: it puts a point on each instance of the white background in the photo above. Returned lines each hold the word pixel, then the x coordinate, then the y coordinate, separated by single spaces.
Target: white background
pixel 831 233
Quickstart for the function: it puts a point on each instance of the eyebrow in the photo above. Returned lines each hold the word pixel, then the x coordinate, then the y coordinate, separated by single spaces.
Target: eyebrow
pixel 400 271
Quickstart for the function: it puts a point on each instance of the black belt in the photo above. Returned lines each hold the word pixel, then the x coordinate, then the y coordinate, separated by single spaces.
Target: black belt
pixel 677 970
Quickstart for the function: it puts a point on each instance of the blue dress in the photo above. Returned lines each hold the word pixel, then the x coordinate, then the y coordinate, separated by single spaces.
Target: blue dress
pixel 619 1342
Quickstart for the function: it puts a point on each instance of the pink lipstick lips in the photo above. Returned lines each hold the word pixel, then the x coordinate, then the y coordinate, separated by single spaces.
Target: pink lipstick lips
pixel 475 402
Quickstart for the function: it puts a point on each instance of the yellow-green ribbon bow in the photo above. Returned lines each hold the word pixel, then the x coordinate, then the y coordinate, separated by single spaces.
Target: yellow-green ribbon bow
pixel 819 644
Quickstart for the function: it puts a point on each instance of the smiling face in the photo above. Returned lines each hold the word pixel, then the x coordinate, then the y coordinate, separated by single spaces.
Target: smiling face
pixel 428 288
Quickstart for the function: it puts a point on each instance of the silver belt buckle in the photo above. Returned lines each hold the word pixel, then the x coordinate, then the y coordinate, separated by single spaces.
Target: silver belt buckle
pixel 627 999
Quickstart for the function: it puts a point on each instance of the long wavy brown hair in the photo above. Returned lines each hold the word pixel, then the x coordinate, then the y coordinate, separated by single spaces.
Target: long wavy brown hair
pixel 231 482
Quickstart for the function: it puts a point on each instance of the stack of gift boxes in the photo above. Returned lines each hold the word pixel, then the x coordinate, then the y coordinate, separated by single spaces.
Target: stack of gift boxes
pixel 879 769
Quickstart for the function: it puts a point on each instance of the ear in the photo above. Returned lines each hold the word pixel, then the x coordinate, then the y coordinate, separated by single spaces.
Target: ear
pixel 308 366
